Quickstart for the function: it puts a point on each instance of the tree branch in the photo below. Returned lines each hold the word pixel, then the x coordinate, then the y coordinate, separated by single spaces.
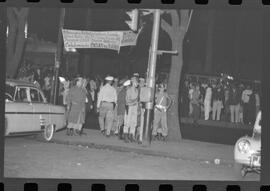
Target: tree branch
pixel 184 20
pixel 166 27
pixel 175 18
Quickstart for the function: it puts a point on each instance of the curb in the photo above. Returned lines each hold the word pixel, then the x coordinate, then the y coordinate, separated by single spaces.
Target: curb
pixel 140 151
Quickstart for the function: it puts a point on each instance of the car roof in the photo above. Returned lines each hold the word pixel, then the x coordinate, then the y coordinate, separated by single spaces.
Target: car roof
pixel 13 82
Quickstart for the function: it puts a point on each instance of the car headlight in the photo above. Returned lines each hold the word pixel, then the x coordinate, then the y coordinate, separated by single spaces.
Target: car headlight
pixel 243 146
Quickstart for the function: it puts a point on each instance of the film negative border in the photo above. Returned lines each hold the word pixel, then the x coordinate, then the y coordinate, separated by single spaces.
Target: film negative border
pixel 67 184
pixel 162 4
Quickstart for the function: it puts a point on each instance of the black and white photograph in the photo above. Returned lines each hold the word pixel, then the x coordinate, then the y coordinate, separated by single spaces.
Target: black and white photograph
pixel 146 94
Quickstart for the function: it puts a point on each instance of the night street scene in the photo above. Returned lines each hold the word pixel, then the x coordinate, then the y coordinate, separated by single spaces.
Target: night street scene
pixel 133 94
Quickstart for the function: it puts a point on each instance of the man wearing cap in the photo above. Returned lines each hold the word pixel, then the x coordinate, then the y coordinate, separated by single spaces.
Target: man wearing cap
pixel 107 99
pixel 76 99
pixel 132 114
pixel 121 107
pixel 163 102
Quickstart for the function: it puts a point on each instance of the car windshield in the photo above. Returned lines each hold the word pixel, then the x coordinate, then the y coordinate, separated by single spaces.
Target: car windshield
pixel 10 91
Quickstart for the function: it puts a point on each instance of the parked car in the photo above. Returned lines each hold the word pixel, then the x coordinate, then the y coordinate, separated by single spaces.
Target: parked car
pixel 28 112
pixel 247 150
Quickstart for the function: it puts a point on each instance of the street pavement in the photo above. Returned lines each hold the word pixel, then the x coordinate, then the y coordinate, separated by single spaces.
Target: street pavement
pixel 94 156
pixel 185 150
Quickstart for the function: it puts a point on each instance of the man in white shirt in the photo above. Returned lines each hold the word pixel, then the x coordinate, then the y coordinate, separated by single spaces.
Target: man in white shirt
pixel 107 99
pixel 207 102
pixel 132 114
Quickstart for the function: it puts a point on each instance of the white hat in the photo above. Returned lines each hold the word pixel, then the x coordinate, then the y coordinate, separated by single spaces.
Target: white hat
pixel 109 78
pixel 127 83
pixel 141 79
pixel 136 74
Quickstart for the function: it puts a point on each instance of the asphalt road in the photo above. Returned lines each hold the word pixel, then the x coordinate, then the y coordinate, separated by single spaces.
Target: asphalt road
pixel 32 159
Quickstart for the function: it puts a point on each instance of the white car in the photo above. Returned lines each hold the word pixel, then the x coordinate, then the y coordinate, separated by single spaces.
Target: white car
pixel 247 150
pixel 27 111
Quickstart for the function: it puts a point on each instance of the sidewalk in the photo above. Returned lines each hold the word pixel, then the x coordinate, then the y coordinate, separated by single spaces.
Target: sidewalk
pixel 185 150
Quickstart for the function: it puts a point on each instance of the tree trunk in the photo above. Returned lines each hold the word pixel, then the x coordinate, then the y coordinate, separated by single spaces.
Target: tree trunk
pixel 176 32
pixel 209 43
pixel 86 62
pixel 16 39
pixel 173 89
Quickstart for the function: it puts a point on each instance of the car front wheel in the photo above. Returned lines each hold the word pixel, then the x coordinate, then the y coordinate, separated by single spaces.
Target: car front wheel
pixel 48 132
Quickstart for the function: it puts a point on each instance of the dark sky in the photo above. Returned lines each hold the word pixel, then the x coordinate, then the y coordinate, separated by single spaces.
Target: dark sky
pixel 44 22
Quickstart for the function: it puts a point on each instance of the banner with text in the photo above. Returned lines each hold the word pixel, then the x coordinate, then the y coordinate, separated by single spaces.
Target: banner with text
pixel 92 39
pixel 129 38
pixel 98 39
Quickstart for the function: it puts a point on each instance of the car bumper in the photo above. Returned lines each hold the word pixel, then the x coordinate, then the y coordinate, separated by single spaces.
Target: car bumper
pixel 252 160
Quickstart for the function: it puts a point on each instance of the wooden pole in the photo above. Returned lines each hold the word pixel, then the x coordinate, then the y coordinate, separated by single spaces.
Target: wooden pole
pixel 59 53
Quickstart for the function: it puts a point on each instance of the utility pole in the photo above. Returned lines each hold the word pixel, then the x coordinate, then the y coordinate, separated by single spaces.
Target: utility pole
pixel 58 56
pixel 151 77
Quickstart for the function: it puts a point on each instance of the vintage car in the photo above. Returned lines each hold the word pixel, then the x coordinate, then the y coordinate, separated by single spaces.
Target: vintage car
pixel 247 151
pixel 27 111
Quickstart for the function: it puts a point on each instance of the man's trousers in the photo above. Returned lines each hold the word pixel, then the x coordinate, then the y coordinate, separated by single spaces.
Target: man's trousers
pixel 106 117
pixel 131 120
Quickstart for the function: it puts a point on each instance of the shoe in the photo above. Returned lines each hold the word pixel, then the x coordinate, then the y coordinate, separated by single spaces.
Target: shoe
pixel 126 138
pixel 68 132
pixel 76 132
pixel 159 136
pixel 163 138
pixel 120 137
pixel 82 133
pixel 102 132
pixel 71 132
pixel 131 139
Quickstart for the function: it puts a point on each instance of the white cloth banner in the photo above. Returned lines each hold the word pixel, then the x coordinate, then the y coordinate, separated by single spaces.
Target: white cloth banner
pixel 129 38
pixel 92 39
pixel 98 39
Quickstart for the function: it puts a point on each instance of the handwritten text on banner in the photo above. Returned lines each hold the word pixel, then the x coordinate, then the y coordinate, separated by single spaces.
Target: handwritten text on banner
pixel 98 39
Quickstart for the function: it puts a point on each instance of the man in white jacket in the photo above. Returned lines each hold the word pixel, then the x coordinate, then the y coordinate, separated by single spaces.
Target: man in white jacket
pixel 207 102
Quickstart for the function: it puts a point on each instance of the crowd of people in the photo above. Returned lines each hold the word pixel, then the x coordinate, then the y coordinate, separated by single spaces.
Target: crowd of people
pixel 224 100
pixel 120 105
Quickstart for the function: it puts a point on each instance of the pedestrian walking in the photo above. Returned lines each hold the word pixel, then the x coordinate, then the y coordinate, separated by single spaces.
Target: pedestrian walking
pixel 107 99
pixel 132 104
pixel 76 100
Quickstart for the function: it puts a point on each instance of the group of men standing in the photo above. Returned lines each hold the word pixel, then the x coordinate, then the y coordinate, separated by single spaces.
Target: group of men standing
pixel 120 107
pixel 125 104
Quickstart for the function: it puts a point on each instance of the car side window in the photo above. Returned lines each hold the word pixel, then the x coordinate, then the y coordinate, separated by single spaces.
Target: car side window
pixel 41 98
pixel 34 94
pixel 21 95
